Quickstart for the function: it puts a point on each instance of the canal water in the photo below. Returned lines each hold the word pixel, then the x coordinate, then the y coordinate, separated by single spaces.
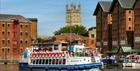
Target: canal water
pixel 14 67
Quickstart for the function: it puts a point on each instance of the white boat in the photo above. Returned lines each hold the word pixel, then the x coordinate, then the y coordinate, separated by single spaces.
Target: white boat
pixel 132 60
pixel 36 57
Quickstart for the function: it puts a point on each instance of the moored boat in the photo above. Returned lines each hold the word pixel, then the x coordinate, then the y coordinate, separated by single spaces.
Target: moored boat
pixel 56 59
pixel 132 60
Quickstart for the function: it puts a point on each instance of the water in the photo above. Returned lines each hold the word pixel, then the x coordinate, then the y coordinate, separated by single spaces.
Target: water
pixel 14 67
pixel 9 67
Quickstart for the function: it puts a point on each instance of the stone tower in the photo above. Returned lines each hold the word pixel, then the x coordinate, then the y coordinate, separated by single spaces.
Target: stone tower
pixel 73 14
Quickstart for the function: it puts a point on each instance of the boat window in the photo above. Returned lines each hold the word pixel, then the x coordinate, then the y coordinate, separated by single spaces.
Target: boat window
pixel 64 61
pixel 50 61
pixel 40 61
pixel 59 61
pixel 56 61
pixel 46 61
pixel 53 61
pixel 50 49
pixel 43 61
pixel 34 61
pixel 55 48
pixel 37 60
pixel 31 61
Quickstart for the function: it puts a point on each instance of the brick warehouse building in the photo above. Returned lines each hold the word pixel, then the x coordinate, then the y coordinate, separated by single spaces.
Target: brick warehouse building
pixel 125 14
pixel 103 25
pixel 125 23
pixel 16 35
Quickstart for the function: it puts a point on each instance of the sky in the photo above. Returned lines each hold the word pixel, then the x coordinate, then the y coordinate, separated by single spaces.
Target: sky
pixel 50 13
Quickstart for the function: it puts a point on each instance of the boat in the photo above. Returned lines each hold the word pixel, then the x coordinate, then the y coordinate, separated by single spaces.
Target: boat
pixel 53 58
pixel 132 60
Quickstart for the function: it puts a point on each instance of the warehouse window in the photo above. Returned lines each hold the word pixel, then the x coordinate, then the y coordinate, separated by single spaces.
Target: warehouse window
pixel 8 41
pixel 20 26
pixel 129 28
pixel 21 50
pixel 2 49
pixel 26 41
pixel 8 25
pixel 129 11
pixel 8 33
pixel 3 41
pixel 129 19
pixel 21 41
pixel 21 33
pixel 3 33
pixel 2 25
pixel 26 33
pixel 8 50
pixel 26 26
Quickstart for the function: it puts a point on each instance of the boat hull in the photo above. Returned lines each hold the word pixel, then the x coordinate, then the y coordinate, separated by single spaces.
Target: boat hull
pixel 62 67
pixel 131 64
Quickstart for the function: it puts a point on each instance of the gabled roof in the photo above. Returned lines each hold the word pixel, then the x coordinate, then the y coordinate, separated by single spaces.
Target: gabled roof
pixel 32 19
pixel 105 5
pixel 125 4
pixel 9 17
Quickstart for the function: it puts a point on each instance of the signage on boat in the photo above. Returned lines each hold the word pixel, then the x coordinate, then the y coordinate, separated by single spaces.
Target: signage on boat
pixel 126 48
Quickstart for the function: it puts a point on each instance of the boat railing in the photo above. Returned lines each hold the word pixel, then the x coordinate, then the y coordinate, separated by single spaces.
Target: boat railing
pixel 47 61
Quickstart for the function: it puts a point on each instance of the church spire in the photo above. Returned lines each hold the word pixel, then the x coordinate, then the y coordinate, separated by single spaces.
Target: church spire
pixel 67 4
pixel 79 5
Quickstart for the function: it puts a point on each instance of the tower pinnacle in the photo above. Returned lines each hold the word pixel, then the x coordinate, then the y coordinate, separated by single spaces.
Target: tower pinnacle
pixel 73 13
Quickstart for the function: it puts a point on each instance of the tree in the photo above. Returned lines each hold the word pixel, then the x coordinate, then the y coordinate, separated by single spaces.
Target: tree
pixel 80 30
pixel 40 40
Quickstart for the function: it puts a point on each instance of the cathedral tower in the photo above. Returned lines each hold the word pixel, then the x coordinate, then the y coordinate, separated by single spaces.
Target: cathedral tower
pixel 73 14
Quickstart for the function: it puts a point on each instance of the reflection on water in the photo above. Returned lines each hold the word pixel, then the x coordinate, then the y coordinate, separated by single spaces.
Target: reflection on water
pixel 9 67
pixel 14 67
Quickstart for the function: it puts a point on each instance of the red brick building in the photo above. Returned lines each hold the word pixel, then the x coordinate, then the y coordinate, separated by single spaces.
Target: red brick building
pixel 16 36
pixel 103 25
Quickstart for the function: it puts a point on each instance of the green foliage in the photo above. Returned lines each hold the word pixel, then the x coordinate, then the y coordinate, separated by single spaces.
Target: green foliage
pixel 40 40
pixel 80 30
